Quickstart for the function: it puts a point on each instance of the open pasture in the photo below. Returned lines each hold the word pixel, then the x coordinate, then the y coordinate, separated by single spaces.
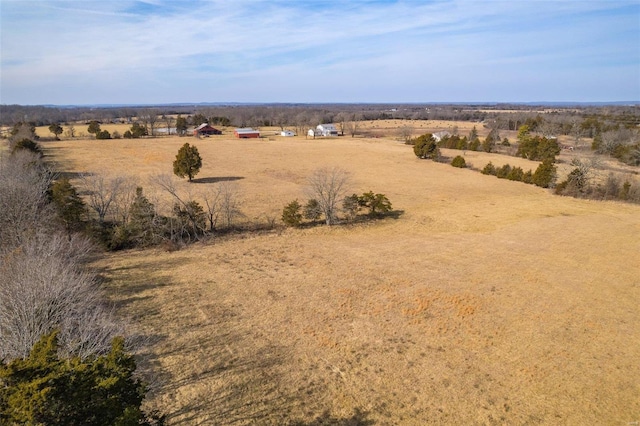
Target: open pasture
pixel 485 302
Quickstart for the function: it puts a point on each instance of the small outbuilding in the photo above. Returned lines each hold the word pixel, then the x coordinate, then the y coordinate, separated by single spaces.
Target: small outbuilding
pixel 205 129
pixel 246 133
pixel 287 133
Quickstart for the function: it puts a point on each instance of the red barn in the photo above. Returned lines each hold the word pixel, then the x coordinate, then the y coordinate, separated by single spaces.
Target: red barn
pixel 246 133
pixel 205 129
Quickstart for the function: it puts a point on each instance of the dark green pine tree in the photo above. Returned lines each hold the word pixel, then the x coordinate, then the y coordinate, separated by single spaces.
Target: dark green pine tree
pixel 98 391
pixel 188 162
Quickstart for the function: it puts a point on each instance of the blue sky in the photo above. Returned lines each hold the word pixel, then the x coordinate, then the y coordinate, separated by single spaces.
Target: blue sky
pixel 99 52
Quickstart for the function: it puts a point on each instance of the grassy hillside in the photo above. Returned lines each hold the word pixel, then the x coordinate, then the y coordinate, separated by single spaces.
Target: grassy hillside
pixel 486 301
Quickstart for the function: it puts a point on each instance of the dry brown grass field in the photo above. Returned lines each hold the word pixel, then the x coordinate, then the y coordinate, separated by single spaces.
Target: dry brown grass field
pixel 485 302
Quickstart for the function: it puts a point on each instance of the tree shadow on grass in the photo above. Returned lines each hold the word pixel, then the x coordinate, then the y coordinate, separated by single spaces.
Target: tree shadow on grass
pixel 217 179
pixel 69 175
pixel 394 214
pixel 359 418
pixel 207 364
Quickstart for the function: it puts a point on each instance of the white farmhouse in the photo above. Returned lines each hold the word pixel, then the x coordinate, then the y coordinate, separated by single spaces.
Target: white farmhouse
pixel 326 130
pixel 439 135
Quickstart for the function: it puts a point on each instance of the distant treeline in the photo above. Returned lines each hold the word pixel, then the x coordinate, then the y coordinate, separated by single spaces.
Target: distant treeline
pixel 551 119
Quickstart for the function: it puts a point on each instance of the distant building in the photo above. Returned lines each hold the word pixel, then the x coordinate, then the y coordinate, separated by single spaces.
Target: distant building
pixel 205 129
pixel 326 130
pixel 439 135
pixel 287 133
pixel 246 133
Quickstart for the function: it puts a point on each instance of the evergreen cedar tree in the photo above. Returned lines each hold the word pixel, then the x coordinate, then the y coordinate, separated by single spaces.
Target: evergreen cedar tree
pixel 69 204
pixel 425 146
pixel 96 391
pixel 56 129
pixel 458 161
pixel 94 127
pixel 376 203
pixel 181 125
pixel 29 145
pixel 291 215
pixel 188 162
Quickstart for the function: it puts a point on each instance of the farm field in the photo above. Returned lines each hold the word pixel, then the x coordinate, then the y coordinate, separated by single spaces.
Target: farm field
pixel 485 302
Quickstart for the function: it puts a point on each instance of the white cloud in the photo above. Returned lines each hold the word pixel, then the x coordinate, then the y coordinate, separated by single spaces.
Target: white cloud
pixel 412 48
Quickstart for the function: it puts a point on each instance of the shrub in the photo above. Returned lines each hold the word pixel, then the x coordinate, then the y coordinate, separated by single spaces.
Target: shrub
pixel 376 203
pixel 527 177
pixel 538 148
pixel 71 209
pixel 561 188
pixel 138 130
pixel 291 215
pixel 351 206
pixel 503 172
pixel 545 174
pixel 458 161
pixel 44 389
pixel 516 174
pixel 624 191
pixel 145 225
pixel 425 147
pixel 312 210
pixel 103 134
pixel 188 221
pixel 489 169
pixel 461 143
pixel 28 145
pixel 94 127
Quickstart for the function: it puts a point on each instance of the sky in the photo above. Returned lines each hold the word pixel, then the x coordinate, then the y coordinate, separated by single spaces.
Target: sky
pixel 318 51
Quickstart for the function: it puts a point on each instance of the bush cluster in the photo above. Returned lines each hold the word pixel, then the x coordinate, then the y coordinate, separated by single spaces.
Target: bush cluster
pixel 538 148
pixel 375 205
pixel 544 176
pixel 45 389
pixel 578 185
pixel 136 131
pixel 458 161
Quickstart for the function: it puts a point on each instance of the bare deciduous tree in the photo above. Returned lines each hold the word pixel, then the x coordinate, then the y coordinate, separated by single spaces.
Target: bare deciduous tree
pixel 185 208
pixel 406 133
pixel 102 193
pixel 353 126
pixel 576 131
pixel 230 201
pixel 43 288
pixel 24 204
pixel 150 120
pixel 328 187
pixel 212 202
pixel 124 199
pixel 71 131
pixel 168 122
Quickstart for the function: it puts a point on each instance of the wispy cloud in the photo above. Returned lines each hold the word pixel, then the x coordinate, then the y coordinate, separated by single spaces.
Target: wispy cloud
pixel 356 51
